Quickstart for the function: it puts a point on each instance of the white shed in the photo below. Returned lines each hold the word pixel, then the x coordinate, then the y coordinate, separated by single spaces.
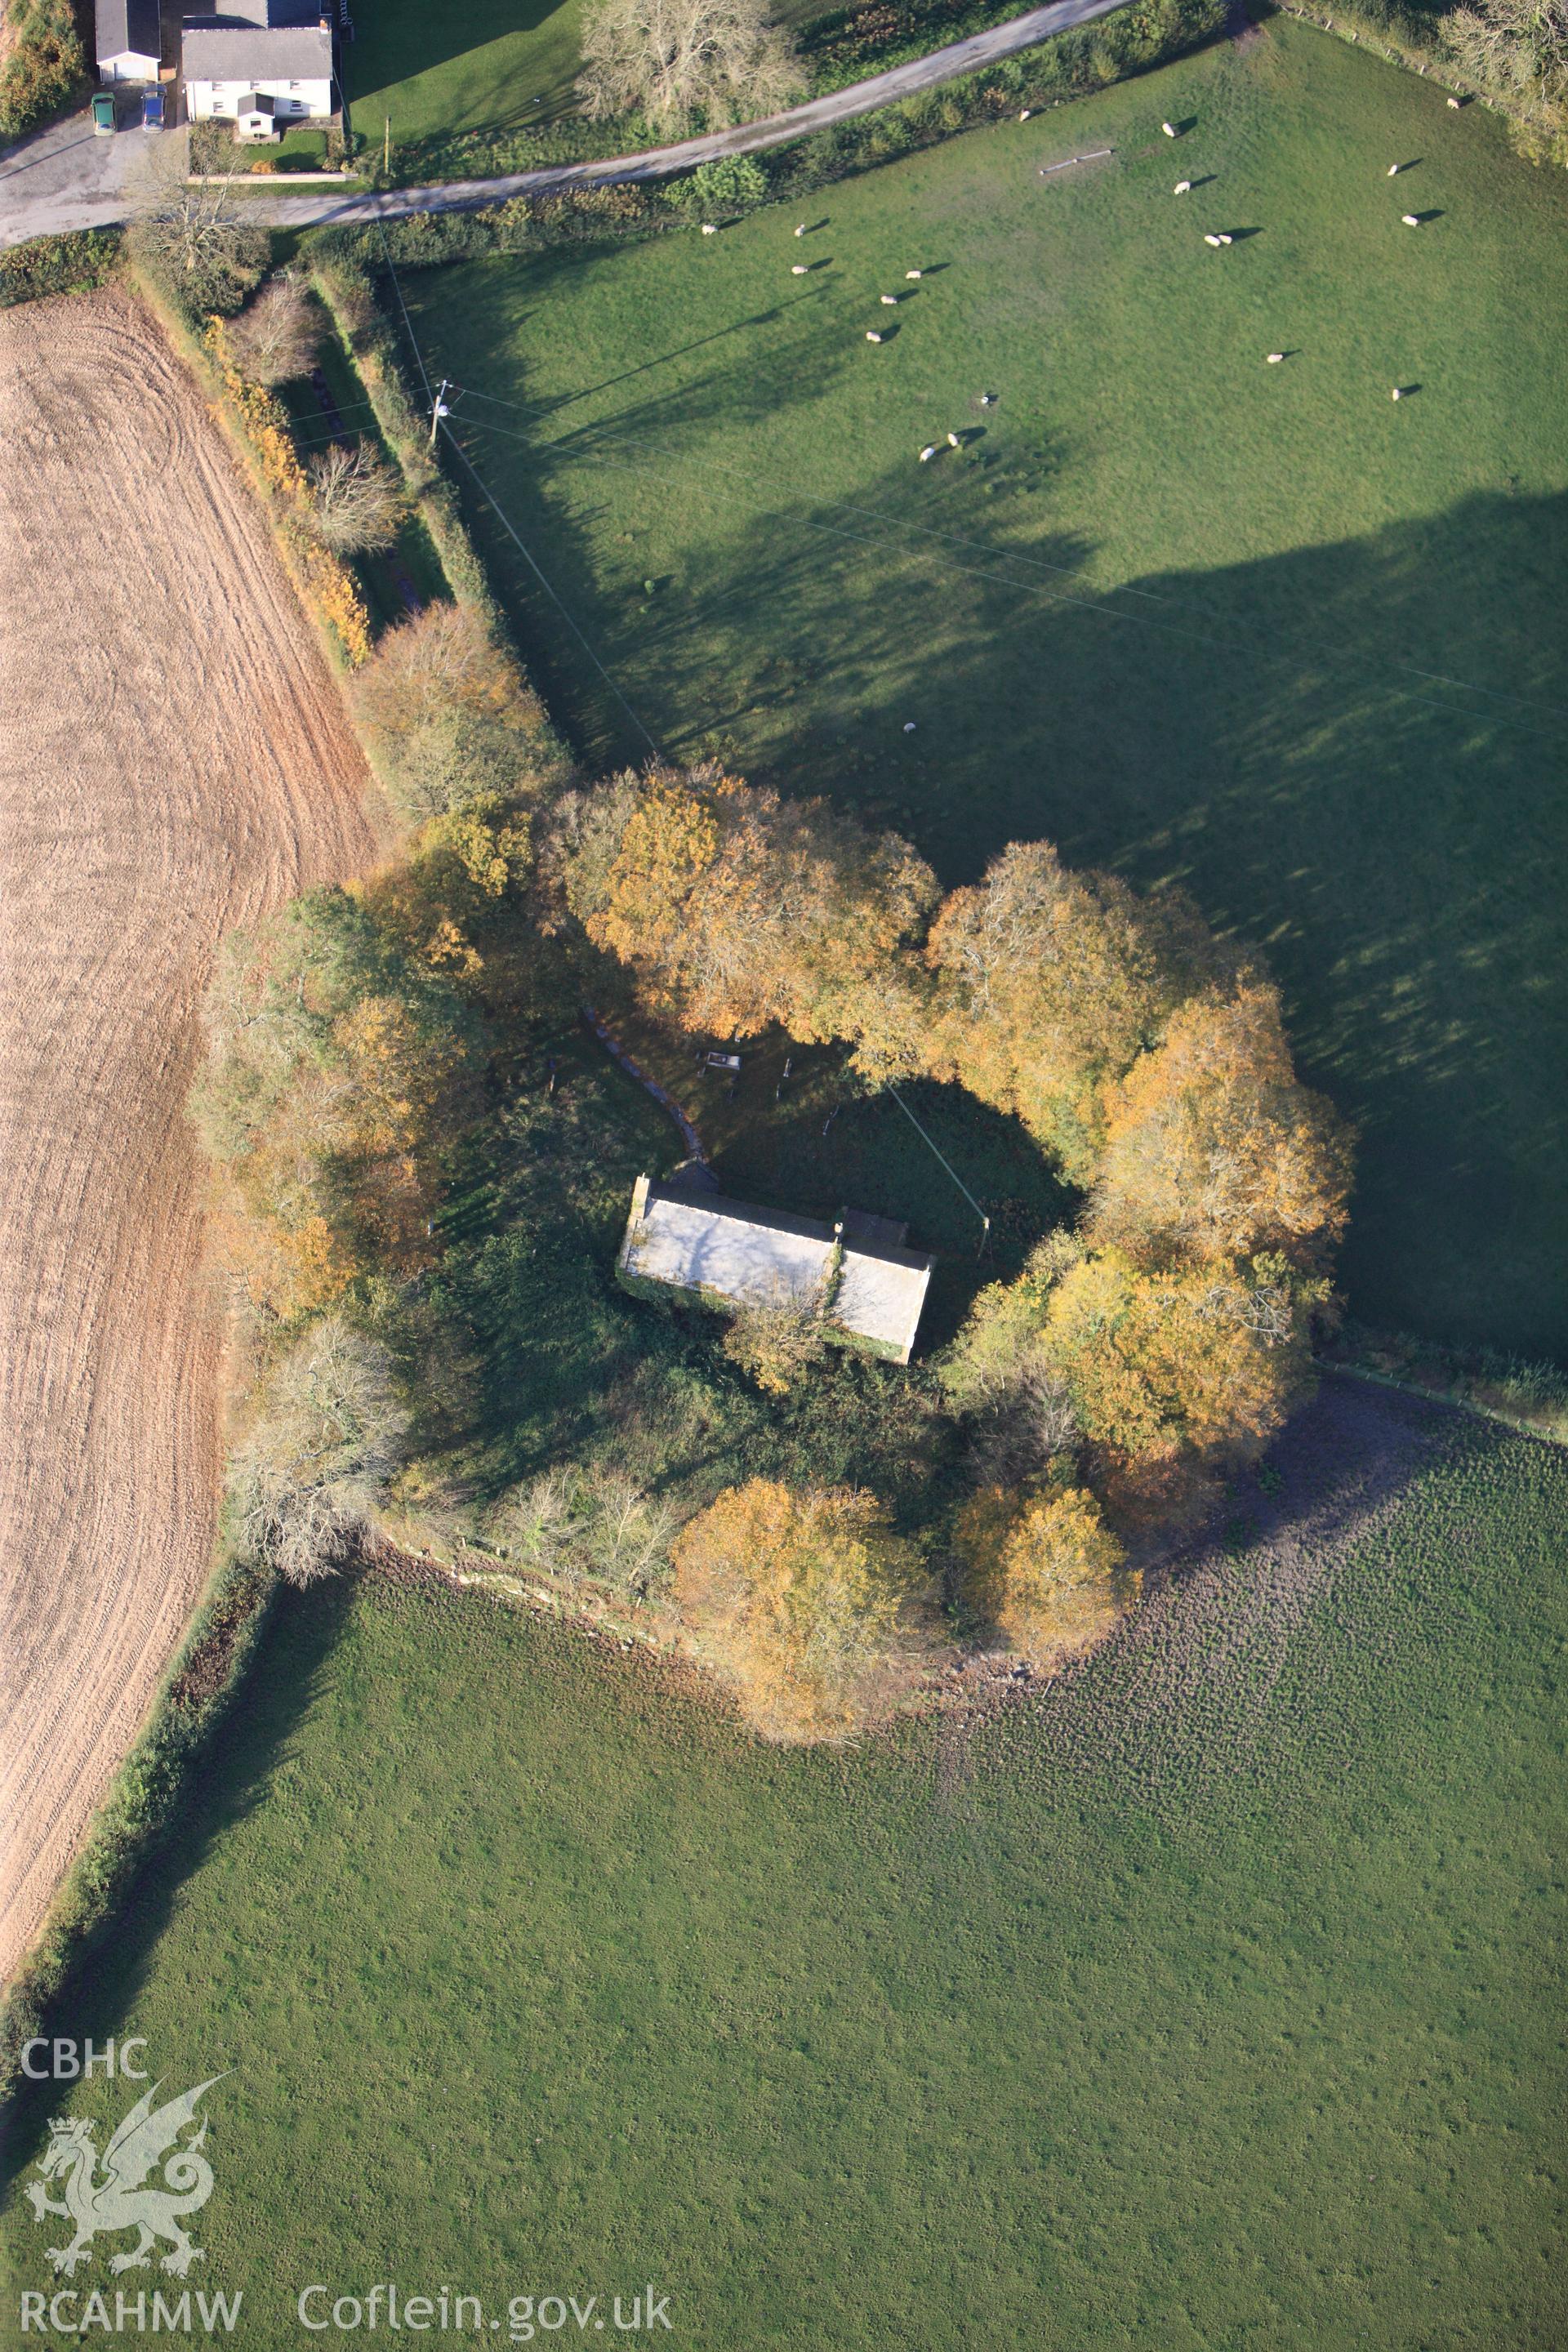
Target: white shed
pixel 128 40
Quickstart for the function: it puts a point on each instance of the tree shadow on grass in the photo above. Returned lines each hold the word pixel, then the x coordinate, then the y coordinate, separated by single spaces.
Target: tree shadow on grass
pixel 1350 754
pixel 226 1781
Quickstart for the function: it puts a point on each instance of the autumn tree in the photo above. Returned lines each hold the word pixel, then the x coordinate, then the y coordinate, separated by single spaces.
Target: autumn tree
pixel 193 235
pixel 675 61
pixel 356 504
pixel 777 1341
pixel 807 1604
pixel 1043 1569
pixel 453 719
pixel 737 909
pixel 1214 1150
pixel 337 1072
pixel 1050 984
pixel 274 339
pixel 1517 52
pixel 1174 1381
pixel 326 1434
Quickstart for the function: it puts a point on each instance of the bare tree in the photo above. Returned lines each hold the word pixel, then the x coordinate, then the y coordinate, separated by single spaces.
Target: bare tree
pixel 1517 51
pixel 194 236
pixel 671 59
pixel 355 504
pixel 274 337
pixel 308 1478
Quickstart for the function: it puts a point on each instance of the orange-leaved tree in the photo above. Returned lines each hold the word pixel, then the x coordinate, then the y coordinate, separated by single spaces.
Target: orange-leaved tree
pixel 1214 1150
pixel 737 909
pixel 1050 984
pixel 807 1604
pixel 1043 1569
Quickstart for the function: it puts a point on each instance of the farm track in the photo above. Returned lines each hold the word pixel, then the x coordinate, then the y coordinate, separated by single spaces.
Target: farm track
pixel 175 762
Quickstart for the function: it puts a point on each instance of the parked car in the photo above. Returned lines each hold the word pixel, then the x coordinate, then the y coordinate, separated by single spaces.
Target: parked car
pixel 152 110
pixel 103 120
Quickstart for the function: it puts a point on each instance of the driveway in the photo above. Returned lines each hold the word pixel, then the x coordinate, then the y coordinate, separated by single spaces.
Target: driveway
pixel 67 177
pixel 59 201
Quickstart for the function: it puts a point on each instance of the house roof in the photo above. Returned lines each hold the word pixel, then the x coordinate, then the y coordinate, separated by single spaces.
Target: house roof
pixel 257 53
pixel 127 26
pixel 701 1241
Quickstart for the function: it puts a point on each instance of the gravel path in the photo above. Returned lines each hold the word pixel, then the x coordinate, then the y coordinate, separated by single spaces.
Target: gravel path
pixel 34 207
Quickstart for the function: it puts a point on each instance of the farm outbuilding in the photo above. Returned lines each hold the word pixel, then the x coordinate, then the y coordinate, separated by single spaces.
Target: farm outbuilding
pixel 128 40
pixel 856 1272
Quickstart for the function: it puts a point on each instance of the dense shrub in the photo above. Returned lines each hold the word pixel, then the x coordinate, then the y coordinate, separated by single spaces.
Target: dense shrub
pixel 45 65
pixel 59 265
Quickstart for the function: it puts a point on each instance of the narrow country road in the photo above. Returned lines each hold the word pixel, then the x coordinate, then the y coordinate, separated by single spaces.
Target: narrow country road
pixel 42 194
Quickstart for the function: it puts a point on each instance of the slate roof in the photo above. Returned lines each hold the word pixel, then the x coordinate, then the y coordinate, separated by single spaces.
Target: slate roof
pixel 252 53
pixel 127 26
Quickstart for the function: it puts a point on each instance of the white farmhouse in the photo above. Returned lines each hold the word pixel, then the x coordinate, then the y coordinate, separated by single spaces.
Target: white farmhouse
pixel 258 66
pixel 128 40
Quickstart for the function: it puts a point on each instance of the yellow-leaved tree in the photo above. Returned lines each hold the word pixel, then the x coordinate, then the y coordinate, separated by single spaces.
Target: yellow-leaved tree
pixel 807 1604
pixel 1214 1150
pixel 1043 1569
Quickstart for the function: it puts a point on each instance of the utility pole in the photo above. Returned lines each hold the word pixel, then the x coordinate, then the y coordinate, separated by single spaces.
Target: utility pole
pixel 386 147
pixel 437 410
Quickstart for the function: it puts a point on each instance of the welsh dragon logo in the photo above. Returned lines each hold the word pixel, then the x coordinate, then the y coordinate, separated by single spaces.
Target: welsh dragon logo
pixel 147 2139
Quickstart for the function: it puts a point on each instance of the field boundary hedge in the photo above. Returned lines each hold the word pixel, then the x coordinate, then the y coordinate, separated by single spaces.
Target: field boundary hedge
pixel 143 1795
pixel 75 261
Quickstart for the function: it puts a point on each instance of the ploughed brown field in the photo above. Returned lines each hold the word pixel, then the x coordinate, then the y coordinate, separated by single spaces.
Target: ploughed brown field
pixel 174 759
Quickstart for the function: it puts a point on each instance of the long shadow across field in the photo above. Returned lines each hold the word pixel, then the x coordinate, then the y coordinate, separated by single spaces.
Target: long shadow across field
pixel 1351 754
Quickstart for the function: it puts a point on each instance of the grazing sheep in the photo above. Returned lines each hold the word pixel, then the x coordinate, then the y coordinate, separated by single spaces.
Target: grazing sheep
pixel 1168 129
pixel 1411 220
pixel 799 268
pixel 953 442
pixel 912 273
pixel 1454 104
pixel 1182 188
pixel 709 229
pixel 890 301
pixel 1275 358
pixel 801 230
pixel 1223 238
pixel 927 453
pixel 988 400
pixel 872 336
pixel 1394 170
pixel 1396 393
pixel 1025 114
pixel 909 726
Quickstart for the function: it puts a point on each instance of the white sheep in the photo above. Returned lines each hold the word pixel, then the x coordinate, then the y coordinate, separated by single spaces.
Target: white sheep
pixel 1394 170
pixel 890 301
pixel 1168 129
pixel 1411 220
pixel 1396 393
pixel 801 230
pixel 1223 238
pixel 912 273
pixel 1275 358
pixel 1454 104
pixel 1025 114
pixel 927 453
pixel 799 269
pixel 872 336
pixel 709 229
pixel 988 400
pixel 1182 188
pixel 909 726
pixel 953 442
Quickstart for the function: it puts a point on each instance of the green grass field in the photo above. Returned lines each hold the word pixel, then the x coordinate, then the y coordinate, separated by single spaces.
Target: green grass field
pixel 1257 627
pixel 1207 2001
pixel 486 66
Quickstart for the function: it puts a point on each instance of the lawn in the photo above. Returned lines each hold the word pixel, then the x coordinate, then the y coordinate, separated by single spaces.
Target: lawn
pixel 1255 627
pixel 490 66
pixel 1207 2001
